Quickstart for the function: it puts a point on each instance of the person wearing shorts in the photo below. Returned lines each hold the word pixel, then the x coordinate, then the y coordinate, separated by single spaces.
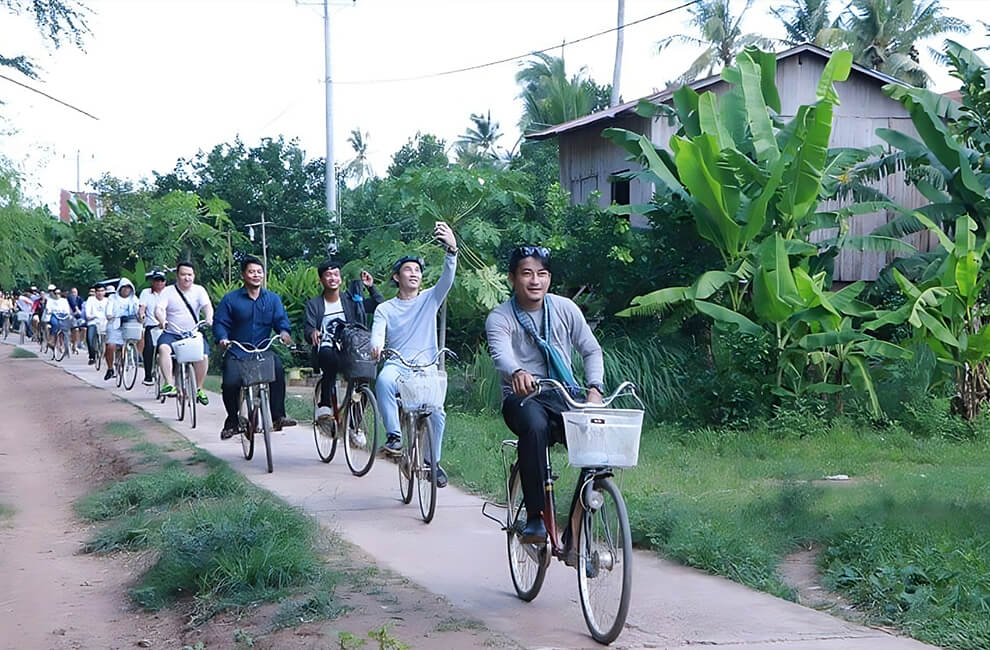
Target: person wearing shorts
pixel 177 313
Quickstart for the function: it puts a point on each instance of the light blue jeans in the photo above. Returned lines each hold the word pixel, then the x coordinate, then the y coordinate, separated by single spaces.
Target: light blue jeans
pixel 387 391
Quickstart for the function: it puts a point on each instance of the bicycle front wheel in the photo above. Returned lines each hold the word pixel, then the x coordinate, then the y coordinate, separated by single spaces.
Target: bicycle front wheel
pixel 604 560
pixel 361 439
pixel 325 434
pixel 62 346
pixel 118 365
pixel 527 562
pixel 426 469
pixel 179 377
pixel 266 423
pixel 408 459
pixel 99 353
pixel 249 412
pixel 23 329
pixel 130 365
pixel 191 393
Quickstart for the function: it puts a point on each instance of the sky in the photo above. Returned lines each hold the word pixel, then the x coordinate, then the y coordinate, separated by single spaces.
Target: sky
pixel 167 78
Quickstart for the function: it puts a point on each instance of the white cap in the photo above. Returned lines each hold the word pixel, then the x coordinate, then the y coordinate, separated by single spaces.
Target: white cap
pixel 51 287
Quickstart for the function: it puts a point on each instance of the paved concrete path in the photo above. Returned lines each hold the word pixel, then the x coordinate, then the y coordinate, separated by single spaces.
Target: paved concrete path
pixel 462 556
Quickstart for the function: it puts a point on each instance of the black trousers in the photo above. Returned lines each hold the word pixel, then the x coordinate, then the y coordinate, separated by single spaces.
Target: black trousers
pixel 148 356
pixel 328 361
pixel 538 425
pixel 230 386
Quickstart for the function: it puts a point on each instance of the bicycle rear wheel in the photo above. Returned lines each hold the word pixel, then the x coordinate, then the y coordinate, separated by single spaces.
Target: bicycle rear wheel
pixel 605 561
pixel 324 435
pixel 179 377
pixel 266 423
pixel 130 365
pixel 527 562
pixel 361 437
pixel 191 393
pixel 426 469
pixel 250 413
pixel 61 346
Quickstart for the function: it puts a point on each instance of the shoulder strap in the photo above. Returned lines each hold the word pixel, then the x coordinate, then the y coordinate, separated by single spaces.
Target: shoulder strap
pixel 182 295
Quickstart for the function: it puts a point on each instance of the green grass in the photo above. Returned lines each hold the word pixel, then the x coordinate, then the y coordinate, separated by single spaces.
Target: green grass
pixel 906 540
pixel 21 353
pixel 6 511
pixel 319 607
pixel 123 430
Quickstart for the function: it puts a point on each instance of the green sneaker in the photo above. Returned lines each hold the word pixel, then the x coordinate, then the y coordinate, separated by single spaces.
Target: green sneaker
pixel 168 390
pixel 201 397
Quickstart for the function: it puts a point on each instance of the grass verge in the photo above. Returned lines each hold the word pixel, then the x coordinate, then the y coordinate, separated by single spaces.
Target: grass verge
pixel 21 353
pixel 904 538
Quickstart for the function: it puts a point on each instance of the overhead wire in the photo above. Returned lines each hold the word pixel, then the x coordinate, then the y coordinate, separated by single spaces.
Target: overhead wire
pixel 44 94
pixel 489 64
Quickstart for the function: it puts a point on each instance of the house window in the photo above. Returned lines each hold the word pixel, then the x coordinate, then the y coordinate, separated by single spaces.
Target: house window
pixel 620 189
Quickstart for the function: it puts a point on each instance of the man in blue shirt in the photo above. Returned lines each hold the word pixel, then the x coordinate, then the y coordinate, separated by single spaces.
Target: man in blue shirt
pixel 249 315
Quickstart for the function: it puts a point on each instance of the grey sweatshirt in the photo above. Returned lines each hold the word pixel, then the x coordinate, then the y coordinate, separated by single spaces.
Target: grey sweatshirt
pixel 512 348
pixel 410 326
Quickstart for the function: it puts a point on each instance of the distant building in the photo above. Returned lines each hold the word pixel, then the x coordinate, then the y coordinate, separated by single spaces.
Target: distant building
pixel 587 160
pixel 93 200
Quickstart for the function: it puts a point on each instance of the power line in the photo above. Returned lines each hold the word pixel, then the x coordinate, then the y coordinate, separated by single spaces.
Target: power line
pixel 44 94
pixel 518 56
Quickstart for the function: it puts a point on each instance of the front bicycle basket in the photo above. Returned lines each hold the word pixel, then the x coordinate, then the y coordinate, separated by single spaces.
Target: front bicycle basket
pixel 355 347
pixel 188 350
pixel 132 330
pixel 258 368
pixel 426 388
pixel 603 437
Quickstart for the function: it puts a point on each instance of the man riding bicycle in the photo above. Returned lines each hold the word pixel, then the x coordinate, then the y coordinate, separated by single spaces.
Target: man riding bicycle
pixel 248 315
pixel 147 302
pixel 57 312
pixel 348 306
pixel 177 313
pixel 96 320
pixel 530 337
pixel 408 324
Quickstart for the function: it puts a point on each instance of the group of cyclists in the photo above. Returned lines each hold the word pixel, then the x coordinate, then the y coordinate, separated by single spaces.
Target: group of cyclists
pixel 530 336
pixel 45 313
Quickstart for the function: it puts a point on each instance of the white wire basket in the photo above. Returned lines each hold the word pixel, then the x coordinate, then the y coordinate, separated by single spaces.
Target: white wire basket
pixel 423 389
pixel 188 350
pixel 132 330
pixel 603 437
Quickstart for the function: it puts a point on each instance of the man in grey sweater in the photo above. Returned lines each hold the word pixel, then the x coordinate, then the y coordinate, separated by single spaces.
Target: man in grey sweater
pixel 408 324
pixel 530 337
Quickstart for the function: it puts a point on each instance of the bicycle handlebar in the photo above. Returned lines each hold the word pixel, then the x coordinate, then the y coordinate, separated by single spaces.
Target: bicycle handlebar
pixel 197 326
pixel 389 353
pixel 247 347
pixel 626 387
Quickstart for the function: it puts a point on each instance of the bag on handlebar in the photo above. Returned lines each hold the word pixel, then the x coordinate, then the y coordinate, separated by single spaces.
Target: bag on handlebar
pixel 355 349
pixel 258 368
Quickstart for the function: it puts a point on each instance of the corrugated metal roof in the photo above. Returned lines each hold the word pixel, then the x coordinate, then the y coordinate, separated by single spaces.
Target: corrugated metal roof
pixel 665 95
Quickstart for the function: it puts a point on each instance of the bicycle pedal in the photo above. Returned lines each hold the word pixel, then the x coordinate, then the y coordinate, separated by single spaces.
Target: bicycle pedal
pixel 554 477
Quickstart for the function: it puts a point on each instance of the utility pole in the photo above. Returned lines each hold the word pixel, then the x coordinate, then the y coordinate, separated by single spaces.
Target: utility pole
pixel 617 70
pixel 78 184
pixel 331 180
pixel 264 249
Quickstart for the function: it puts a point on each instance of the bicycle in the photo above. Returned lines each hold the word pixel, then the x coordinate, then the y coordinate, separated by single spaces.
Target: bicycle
pixel 126 356
pixel 421 394
pixel 60 343
pixel 356 413
pixel 41 335
pixel 23 318
pixel 257 372
pixel 157 378
pixel 186 352
pixel 599 439
pixel 101 345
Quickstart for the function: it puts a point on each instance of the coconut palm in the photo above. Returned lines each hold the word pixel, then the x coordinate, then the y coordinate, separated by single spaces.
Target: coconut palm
pixel 477 145
pixel 883 34
pixel 719 32
pixel 359 167
pixel 807 21
pixel 550 98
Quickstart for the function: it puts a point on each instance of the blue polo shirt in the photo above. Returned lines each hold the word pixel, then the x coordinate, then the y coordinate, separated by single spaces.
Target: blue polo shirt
pixel 239 318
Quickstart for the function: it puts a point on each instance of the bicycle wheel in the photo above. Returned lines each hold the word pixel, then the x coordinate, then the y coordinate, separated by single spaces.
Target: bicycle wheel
pixel 527 562
pixel 118 365
pixel 361 439
pixel 266 423
pixel 100 345
pixel 250 414
pixel 130 365
pixel 179 377
pixel 191 393
pixel 426 470
pixel 605 561
pixel 324 435
pixel 407 459
pixel 23 329
pixel 159 379
pixel 55 348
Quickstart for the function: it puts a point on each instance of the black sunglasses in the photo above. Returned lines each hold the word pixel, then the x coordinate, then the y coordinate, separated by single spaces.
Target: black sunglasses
pixel 404 260
pixel 520 252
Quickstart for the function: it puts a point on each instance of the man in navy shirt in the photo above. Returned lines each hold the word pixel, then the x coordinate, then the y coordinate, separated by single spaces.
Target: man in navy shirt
pixel 249 315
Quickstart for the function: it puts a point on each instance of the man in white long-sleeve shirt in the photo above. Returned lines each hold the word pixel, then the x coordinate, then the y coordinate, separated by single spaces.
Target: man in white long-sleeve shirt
pixel 408 324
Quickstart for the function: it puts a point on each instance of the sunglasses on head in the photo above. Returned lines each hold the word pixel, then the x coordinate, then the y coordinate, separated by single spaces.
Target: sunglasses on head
pixel 541 252
pixel 405 260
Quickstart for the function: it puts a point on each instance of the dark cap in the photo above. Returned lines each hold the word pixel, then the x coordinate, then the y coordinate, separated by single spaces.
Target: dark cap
pixel 157 274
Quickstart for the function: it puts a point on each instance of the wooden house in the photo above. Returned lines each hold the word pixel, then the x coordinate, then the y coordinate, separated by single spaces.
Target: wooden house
pixel 587 160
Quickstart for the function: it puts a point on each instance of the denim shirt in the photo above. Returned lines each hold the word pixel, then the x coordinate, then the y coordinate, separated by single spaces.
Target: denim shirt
pixel 238 318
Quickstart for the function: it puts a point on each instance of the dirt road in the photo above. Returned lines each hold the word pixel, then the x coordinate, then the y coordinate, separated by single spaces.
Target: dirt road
pixel 461 556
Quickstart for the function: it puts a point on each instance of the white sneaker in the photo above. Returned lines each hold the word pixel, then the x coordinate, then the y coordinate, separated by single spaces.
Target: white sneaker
pixel 324 413
pixel 358 439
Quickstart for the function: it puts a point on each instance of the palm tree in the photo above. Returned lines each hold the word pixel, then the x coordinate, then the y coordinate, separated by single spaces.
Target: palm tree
pixel 359 167
pixel 719 32
pixel 477 144
pixel 883 34
pixel 807 21
pixel 550 98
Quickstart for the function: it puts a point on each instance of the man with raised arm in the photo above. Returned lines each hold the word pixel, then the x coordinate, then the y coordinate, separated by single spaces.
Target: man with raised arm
pixel 530 337
pixel 331 304
pixel 177 312
pixel 408 324
pixel 249 315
